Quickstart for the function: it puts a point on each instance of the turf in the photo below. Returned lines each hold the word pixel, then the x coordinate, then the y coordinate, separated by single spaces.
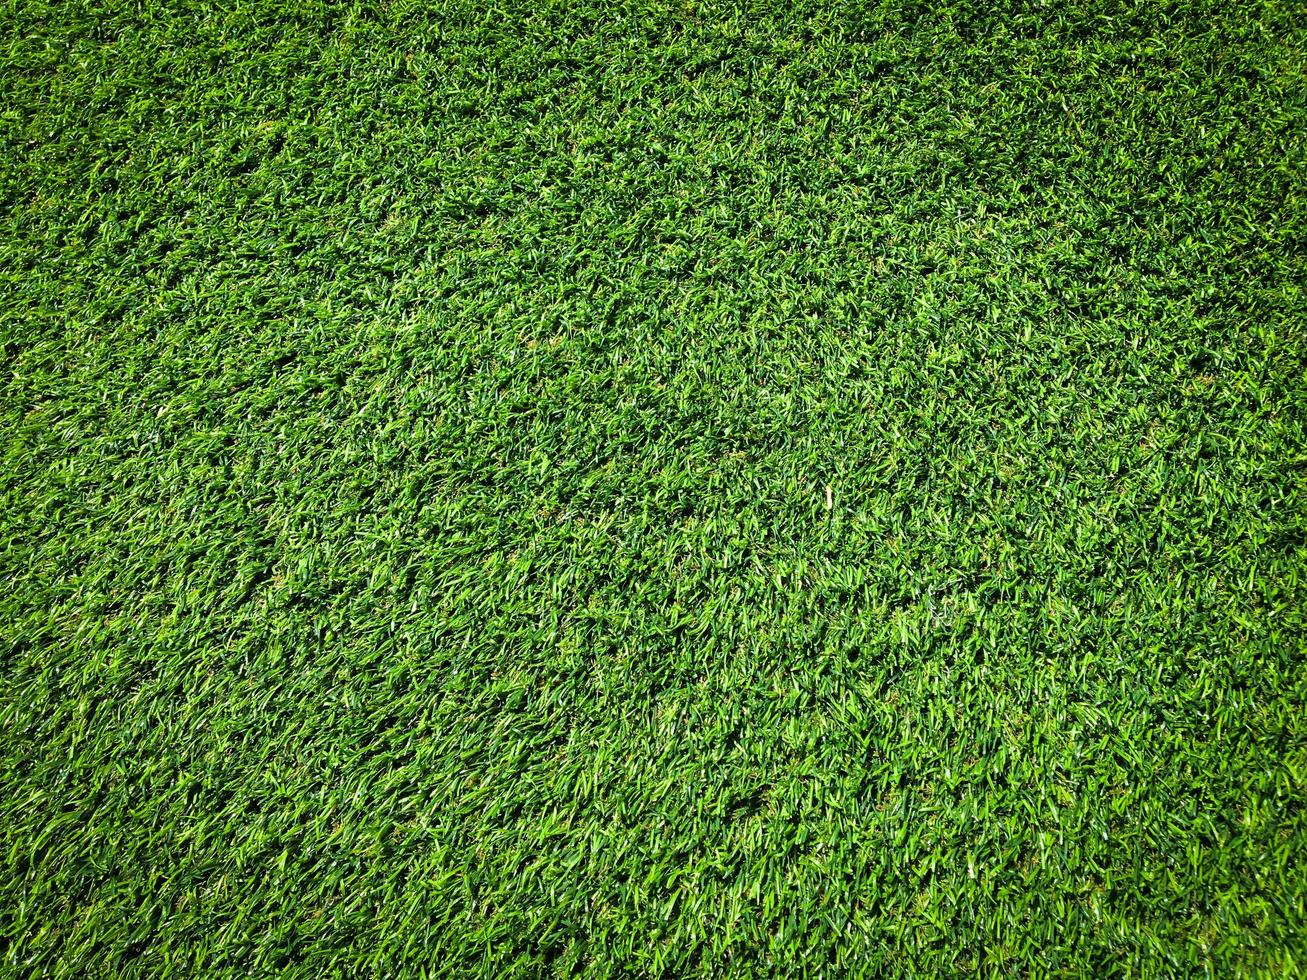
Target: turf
pixel 653 489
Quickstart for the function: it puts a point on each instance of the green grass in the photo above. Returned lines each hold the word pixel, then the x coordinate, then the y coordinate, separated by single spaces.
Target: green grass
pixel 802 488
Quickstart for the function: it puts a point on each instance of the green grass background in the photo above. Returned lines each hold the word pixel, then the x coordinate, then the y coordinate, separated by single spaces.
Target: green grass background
pixel 539 488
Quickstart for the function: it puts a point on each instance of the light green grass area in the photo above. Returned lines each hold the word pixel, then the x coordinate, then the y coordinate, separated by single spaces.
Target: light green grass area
pixel 527 489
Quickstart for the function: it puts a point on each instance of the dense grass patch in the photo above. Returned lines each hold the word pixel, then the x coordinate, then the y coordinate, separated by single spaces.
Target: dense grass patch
pixel 804 488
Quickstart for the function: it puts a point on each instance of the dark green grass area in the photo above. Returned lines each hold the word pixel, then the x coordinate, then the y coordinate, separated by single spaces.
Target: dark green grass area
pixel 802 489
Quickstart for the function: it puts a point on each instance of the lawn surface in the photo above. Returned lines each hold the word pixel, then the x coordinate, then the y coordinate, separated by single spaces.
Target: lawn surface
pixel 550 488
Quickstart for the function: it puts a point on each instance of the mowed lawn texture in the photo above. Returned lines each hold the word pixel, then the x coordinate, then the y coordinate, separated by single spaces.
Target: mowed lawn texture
pixel 631 489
